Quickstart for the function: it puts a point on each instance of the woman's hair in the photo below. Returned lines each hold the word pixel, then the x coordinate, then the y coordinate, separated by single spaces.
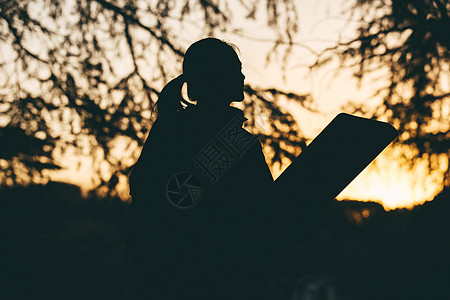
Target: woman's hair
pixel 201 61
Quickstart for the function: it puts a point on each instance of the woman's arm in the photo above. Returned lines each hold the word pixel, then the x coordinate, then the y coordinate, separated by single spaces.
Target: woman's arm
pixel 283 221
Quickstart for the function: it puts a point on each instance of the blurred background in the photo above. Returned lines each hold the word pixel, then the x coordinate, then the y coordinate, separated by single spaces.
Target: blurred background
pixel 78 82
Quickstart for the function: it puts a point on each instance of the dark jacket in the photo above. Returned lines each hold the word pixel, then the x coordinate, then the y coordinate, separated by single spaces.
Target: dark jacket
pixel 213 237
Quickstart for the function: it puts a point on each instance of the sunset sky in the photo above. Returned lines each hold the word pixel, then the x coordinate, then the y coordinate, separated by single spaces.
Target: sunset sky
pixel 321 25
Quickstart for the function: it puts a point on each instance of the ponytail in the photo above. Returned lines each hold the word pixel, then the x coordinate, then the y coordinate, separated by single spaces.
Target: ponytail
pixel 170 98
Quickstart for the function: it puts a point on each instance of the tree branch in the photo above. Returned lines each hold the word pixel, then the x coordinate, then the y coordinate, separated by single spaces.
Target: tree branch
pixel 133 20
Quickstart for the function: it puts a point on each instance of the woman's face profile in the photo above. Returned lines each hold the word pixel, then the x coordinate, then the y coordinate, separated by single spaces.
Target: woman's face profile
pixel 214 73
pixel 231 78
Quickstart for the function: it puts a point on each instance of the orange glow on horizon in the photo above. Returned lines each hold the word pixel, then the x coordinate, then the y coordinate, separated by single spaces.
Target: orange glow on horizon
pixel 387 183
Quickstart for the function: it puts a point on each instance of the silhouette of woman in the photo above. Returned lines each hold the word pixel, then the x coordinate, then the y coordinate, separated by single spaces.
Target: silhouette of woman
pixel 201 189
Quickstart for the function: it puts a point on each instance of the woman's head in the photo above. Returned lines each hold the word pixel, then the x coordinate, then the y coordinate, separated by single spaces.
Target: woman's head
pixel 212 71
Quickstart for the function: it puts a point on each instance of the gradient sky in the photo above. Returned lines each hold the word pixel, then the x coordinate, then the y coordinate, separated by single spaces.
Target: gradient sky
pixel 321 25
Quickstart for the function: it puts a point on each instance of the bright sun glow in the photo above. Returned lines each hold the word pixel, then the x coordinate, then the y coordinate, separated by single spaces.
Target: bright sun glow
pixel 393 185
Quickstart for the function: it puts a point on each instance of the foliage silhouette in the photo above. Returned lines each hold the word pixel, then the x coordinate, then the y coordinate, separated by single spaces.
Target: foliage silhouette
pixel 76 74
pixel 410 41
